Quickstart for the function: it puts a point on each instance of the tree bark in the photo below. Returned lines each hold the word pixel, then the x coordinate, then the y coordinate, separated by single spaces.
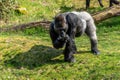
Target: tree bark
pixel 98 17
pixel 108 13
pixel 44 24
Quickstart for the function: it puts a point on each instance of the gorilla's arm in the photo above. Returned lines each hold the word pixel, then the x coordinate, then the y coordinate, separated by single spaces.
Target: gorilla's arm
pixel 57 40
pixel 70 48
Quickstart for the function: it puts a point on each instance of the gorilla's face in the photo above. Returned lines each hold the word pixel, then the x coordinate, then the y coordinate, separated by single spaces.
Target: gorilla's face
pixel 60 24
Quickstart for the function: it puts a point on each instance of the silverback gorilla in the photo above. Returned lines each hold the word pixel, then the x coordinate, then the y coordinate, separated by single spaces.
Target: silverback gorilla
pixel 67 26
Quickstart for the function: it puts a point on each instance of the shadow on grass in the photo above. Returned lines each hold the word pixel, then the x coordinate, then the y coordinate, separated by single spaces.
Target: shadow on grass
pixel 84 52
pixel 37 56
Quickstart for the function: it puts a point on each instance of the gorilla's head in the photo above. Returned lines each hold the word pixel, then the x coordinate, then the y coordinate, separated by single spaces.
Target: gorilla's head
pixel 60 24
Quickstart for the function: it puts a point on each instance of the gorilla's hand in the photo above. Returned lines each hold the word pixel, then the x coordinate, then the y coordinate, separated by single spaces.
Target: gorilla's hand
pixel 67 38
pixel 63 37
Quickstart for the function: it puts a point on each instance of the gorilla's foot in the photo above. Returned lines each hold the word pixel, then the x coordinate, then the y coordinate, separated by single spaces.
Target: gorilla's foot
pixel 95 51
pixel 71 60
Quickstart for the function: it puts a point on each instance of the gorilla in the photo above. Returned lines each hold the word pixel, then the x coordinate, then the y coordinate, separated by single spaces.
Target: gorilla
pixel 67 26
pixel 111 2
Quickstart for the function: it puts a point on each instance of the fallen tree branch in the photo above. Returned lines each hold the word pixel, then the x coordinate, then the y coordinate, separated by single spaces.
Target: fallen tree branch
pixel 44 24
pixel 32 24
pixel 98 17
pixel 108 13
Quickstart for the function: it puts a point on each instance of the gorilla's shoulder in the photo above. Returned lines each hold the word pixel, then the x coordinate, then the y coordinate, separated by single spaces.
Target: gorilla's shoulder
pixel 71 17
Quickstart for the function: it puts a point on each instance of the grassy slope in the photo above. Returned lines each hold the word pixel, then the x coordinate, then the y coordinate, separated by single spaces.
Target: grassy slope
pixel 29 55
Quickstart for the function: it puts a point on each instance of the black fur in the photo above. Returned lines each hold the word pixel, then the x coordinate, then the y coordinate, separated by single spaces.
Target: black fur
pixel 114 2
pixel 88 3
pixel 111 2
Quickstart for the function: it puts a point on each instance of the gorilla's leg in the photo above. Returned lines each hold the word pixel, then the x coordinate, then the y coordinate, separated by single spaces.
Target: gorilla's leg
pixel 116 2
pixel 91 32
pixel 87 4
pixel 70 49
pixel 93 39
pixel 113 2
pixel 100 2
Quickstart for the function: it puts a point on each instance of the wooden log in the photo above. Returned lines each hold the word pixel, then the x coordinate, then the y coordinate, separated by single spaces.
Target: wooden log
pixel 44 24
pixel 108 13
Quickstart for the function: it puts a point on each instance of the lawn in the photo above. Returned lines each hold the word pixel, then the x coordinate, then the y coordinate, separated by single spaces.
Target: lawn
pixel 29 55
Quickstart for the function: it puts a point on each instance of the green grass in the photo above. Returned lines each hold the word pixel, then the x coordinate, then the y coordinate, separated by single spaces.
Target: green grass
pixel 29 55
pixel 38 10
